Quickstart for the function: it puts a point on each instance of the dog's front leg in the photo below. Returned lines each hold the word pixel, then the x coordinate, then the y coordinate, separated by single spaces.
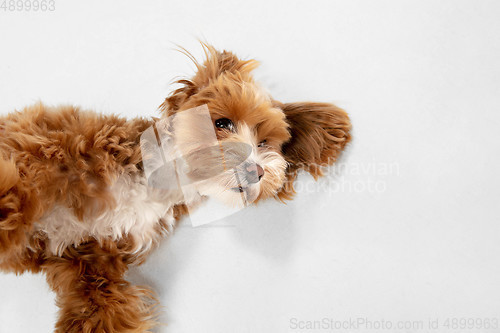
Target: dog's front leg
pixel 92 293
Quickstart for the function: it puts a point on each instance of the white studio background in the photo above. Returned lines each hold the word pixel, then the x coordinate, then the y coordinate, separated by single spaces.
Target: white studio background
pixel 405 230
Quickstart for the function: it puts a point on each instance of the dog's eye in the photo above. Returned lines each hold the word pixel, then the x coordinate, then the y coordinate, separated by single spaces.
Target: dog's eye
pixel 224 123
pixel 263 143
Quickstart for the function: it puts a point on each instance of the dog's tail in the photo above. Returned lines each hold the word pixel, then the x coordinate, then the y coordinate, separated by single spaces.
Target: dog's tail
pixel 8 175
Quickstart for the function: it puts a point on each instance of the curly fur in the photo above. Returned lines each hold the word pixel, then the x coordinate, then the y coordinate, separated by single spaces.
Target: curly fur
pixel 75 205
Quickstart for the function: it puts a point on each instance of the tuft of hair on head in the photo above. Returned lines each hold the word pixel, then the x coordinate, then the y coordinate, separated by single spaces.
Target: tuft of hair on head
pixel 216 63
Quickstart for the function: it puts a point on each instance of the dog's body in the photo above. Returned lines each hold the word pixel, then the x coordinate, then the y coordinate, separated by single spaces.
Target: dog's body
pixel 75 202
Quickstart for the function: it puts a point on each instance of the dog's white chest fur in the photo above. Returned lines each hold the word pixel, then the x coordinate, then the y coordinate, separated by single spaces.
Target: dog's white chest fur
pixel 137 212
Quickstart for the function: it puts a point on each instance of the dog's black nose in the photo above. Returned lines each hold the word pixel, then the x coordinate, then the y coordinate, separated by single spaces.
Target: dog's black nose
pixel 254 173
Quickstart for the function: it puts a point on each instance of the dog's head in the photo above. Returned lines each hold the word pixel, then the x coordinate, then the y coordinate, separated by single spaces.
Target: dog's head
pixel 276 139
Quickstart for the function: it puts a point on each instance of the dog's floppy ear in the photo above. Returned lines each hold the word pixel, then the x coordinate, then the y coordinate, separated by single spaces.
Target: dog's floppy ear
pixel 319 132
pixel 216 63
